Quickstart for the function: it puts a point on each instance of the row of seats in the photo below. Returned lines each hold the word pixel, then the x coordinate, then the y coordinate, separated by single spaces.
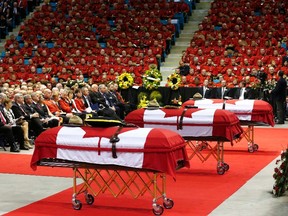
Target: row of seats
pixel 237 30
pixel 53 10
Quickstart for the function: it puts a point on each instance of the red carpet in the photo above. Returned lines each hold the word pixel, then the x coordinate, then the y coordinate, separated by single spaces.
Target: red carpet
pixel 197 191
pixel 20 164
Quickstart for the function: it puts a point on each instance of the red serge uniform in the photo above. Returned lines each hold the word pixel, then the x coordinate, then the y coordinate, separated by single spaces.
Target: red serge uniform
pixel 79 104
pixel 53 107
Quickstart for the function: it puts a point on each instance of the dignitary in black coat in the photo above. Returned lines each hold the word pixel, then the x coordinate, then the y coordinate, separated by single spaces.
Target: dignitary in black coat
pixel 279 94
pixel 204 90
pixel 222 91
pixel 31 116
pixel 99 98
pixel 242 92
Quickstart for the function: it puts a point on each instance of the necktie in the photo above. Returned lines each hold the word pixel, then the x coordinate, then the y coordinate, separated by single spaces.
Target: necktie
pixel 87 101
pixel 2 118
pixel 204 91
pixel 22 109
pixel 106 100
pixel 38 106
pixel 31 109
pixel 223 90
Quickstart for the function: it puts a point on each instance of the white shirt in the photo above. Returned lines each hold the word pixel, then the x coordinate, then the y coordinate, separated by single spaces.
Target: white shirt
pixel 242 92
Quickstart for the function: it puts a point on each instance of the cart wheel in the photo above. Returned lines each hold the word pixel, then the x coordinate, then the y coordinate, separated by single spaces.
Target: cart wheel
pixel 220 170
pixel 226 166
pixel 89 199
pixel 77 205
pixel 168 203
pixel 158 209
pixel 255 147
pixel 251 149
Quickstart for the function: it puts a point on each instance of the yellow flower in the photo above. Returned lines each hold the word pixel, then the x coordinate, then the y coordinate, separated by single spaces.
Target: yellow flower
pixel 125 80
pixel 174 81
pixel 152 78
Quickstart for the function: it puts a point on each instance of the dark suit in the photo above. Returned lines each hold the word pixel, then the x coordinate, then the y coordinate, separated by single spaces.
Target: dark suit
pixel 34 123
pixel 207 92
pixel 120 109
pixel 219 92
pixel 284 58
pixel 279 94
pixel 7 132
pixel 247 93
pixel 43 114
pixel 18 111
pixel 87 101
pixel 16 130
pixel 97 99
pixel 104 109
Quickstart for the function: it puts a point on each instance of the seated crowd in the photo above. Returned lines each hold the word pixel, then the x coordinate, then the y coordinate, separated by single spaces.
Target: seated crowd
pixel 99 39
pixel 12 13
pixel 94 42
pixel 238 40
pixel 28 109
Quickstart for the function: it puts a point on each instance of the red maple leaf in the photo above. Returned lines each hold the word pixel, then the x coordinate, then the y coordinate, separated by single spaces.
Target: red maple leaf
pixel 178 112
pixel 217 101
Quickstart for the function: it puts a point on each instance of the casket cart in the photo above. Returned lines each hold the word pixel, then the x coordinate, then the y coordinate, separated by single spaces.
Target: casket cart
pixel 197 127
pixel 251 113
pixel 115 159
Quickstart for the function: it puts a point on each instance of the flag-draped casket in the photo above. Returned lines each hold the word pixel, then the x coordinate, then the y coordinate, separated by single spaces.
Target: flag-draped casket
pixel 246 110
pixel 190 123
pixel 144 148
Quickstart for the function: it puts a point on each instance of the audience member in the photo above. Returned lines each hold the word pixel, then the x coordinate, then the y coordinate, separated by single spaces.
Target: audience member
pixel 47 118
pixel 51 101
pixel 204 90
pixel 243 92
pixel 222 91
pixel 31 117
pixel 19 126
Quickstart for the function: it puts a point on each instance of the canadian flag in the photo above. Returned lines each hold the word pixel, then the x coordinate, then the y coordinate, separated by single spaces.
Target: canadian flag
pixel 246 110
pixel 189 123
pixel 143 148
pixel 196 123
pixel 242 108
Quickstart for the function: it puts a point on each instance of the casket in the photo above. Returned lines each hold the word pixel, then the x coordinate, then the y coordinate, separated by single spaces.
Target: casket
pixel 143 148
pixel 204 124
pixel 246 110
pixel 250 113
pixel 114 159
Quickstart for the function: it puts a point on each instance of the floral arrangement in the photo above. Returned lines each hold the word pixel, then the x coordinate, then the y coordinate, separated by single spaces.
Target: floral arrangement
pixel 270 85
pixel 142 100
pixel 174 81
pixel 267 85
pixel 157 96
pixel 125 80
pixel 281 175
pixel 74 83
pixel 152 78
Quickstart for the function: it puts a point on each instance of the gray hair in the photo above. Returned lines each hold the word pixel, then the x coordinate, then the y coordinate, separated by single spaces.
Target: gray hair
pixel 17 96
pixel 3 96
